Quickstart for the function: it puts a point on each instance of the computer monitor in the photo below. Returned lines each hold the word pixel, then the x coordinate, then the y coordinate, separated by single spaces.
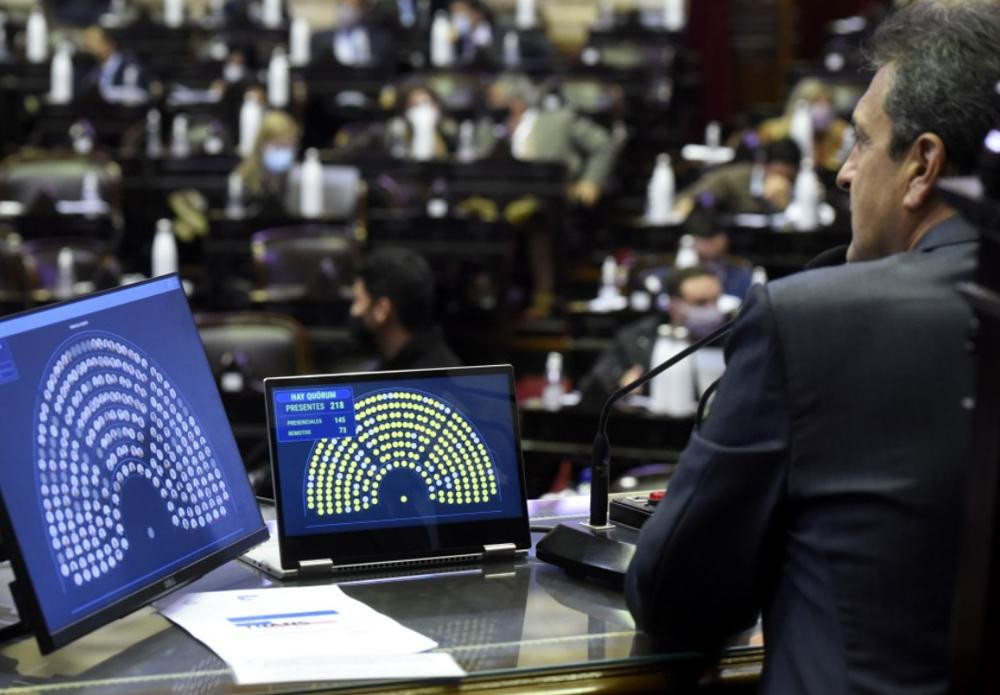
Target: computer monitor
pixel 119 476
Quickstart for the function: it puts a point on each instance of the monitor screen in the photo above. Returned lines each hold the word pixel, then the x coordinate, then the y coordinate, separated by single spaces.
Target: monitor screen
pixel 119 474
pixel 373 452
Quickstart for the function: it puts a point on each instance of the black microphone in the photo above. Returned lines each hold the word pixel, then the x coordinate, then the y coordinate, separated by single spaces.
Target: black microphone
pixel 600 461
pixel 831 257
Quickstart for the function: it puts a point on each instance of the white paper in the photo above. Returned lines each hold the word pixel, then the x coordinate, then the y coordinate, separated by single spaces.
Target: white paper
pixel 409 666
pixel 300 633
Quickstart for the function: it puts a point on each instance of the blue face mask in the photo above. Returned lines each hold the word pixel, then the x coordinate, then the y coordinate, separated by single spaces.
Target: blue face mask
pixel 278 160
pixel 461 23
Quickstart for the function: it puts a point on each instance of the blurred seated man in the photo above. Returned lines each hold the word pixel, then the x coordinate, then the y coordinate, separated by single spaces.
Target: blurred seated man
pixel 393 311
pixel 264 172
pixel 473 28
pixel 747 187
pixel 419 130
pixel 531 133
pixel 356 40
pixel 828 129
pixel 116 76
pixel 694 296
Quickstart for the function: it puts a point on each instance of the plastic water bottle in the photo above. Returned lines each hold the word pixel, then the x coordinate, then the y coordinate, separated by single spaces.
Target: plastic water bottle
pixel 277 79
pixel 713 135
pixel 442 49
pixel 686 256
pixel 37 36
pixel 251 114
pixel 466 142
pixel 672 392
pixel 164 252
pixel 673 15
pixel 180 145
pixel 804 208
pixel 801 128
pixel 526 14
pixel 299 36
pixel 65 273
pixel 61 76
pixel 311 185
pixel 154 135
pixel 511 50
pixel 270 14
pixel 423 120
pixel 234 196
pixel 553 392
pixel 660 192
pixel 90 187
pixel 173 13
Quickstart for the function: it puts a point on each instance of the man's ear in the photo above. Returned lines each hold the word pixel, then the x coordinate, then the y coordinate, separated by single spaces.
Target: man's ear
pixel 382 309
pixel 927 163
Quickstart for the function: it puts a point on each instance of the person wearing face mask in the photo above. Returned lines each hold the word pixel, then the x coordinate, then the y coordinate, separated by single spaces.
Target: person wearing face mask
pixel 393 312
pixel 694 295
pixel 356 40
pixel 265 170
pixel 828 129
pixel 473 29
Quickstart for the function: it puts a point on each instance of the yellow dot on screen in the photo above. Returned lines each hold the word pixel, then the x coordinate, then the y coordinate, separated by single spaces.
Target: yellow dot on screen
pixel 402 498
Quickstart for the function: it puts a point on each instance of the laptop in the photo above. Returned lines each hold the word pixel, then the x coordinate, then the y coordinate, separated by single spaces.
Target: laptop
pixel 380 470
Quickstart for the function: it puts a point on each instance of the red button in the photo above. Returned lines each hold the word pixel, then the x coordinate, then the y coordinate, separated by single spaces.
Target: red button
pixel 656 495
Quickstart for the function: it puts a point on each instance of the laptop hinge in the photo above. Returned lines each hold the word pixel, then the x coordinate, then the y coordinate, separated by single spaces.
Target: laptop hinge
pixel 321 566
pixel 496 550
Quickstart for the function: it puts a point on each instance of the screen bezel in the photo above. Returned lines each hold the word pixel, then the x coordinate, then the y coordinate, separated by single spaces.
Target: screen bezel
pixel 399 543
pixel 28 603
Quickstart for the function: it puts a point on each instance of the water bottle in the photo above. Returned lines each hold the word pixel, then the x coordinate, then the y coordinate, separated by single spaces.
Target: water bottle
pixel 801 128
pixel 553 392
pixel 660 192
pixel 270 14
pixel 713 136
pixel 180 145
pixel 758 276
pixel 90 188
pixel 423 120
pixel 298 41
pixel 37 36
pixel 526 14
pixel 61 76
pixel 154 135
pixel 234 196
pixel 803 211
pixel 164 252
pixel 65 273
pixel 277 79
pixel 511 50
pixel 672 392
pixel 466 142
pixel 442 49
pixel 311 186
pixel 173 13
pixel 673 15
pixel 687 256
pixel 251 114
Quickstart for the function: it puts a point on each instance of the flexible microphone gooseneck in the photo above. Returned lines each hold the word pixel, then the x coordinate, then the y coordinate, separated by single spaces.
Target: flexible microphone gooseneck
pixel 600 461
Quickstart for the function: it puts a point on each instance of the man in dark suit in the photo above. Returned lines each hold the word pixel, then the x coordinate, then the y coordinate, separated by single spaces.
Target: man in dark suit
pixel 826 487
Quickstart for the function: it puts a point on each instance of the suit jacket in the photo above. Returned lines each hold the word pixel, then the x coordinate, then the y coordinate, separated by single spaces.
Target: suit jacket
pixel 586 149
pixel 826 488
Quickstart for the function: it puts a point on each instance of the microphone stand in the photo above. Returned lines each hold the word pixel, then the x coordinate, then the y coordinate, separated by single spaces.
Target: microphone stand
pixel 588 552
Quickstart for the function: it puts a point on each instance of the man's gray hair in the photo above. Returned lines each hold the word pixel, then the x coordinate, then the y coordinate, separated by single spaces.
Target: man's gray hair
pixel 946 59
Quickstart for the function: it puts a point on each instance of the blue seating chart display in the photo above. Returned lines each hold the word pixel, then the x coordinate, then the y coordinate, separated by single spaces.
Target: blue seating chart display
pixel 396 453
pixel 118 465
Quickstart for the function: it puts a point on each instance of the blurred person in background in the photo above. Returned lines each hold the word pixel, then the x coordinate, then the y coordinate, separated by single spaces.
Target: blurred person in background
pixel 265 170
pixel 827 127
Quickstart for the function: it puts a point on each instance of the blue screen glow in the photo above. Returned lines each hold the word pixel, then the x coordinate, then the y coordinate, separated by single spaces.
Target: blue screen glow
pixel 118 466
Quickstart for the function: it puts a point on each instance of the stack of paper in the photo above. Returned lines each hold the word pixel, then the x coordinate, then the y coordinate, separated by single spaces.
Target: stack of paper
pixel 305 634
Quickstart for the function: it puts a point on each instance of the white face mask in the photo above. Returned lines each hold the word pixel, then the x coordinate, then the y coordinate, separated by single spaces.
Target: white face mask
pixel 822 116
pixel 702 320
pixel 278 160
pixel 232 72
pixel 461 23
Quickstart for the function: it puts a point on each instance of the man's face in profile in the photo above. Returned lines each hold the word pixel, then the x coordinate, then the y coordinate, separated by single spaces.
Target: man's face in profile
pixel 875 180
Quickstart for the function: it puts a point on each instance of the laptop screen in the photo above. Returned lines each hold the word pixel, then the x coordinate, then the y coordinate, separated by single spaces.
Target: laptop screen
pixel 393 450
pixel 118 468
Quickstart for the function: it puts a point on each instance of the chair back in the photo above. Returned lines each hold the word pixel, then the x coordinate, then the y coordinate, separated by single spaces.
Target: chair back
pixel 259 344
pixel 90 257
pixel 305 261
